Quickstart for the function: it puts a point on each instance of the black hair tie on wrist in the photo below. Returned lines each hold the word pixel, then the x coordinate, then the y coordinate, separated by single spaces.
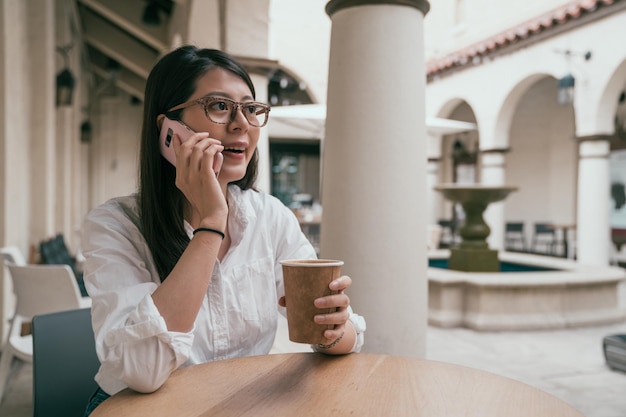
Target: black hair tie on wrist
pixel 208 229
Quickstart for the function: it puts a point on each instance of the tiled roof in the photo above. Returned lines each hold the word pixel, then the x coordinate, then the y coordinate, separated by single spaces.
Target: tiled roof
pixel 549 21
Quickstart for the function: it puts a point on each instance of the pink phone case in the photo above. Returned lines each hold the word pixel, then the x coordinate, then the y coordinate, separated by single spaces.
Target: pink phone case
pixel 168 129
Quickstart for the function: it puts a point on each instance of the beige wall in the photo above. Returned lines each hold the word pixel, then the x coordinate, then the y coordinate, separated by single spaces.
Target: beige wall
pixel 543 159
pixel 477 20
pixel 115 148
pixel 15 126
pixel 300 39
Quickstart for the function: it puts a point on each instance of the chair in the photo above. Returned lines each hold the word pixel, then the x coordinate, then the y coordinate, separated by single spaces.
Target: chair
pixel 54 251
pixel 448 233
pixel 64 363
pixel 39 289
pixel 433 237
pixel 12 254
pixel 515 239
pixel 545 235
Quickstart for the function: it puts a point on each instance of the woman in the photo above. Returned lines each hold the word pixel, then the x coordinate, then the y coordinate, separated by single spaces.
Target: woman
pixel 187 270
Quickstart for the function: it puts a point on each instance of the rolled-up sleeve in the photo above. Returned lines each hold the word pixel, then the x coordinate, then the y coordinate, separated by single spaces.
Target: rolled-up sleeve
pixel 133 344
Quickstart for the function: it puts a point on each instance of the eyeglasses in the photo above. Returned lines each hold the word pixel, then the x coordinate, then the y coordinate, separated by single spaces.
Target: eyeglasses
pixel 222 110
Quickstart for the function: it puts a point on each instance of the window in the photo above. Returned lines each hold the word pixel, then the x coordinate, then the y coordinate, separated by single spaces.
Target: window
pixel 295 171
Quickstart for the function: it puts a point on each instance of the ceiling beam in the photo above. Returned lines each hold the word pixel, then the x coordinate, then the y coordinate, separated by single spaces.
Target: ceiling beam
pixel 126 81
pixel 117 44
pixel 128 16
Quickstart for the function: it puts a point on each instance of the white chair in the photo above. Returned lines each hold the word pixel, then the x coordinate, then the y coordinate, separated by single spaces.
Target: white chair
pixel 39 289
pixel 10 254
pixel 434 236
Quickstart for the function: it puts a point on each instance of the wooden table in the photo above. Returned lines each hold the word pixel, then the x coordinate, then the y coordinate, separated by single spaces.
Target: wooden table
pixel 312 384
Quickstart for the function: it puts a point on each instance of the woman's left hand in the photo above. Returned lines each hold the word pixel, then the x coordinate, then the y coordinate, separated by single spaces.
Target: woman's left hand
pixel 340 300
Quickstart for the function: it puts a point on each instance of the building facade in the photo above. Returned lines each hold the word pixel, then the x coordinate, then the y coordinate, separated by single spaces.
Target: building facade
pixel 504 74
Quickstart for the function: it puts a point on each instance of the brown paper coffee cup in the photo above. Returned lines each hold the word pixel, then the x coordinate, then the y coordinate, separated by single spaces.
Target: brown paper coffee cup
pixel 305 280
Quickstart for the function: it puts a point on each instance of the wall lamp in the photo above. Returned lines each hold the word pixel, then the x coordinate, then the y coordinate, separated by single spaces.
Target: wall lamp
pixel 86 131
pixel 566 85
pixel 565 89
pixel 65 80
pixel 155 9
pixel 151 15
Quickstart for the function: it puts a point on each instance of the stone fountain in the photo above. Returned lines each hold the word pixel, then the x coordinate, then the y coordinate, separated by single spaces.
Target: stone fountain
pixel 473 253
pixel 554 293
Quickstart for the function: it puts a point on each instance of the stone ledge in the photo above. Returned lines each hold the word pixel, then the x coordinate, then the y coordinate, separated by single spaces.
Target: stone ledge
pixel 576 295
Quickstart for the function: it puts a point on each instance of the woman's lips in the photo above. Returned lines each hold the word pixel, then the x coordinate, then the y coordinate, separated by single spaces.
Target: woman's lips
pixel 237 153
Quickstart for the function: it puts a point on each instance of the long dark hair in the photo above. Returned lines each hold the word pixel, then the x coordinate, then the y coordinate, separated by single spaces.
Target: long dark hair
pixel 171 82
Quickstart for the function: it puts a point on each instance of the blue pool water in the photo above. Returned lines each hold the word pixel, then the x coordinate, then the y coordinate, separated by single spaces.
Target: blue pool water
pixel 504 266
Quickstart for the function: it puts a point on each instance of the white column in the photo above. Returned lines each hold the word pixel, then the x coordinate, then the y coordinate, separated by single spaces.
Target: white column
pixel 43 156
pixel 68 176
pixel 493 174
pixel 374 158
pixel 593 234
pixel 26 120
pixel 432 196
pixel 66 133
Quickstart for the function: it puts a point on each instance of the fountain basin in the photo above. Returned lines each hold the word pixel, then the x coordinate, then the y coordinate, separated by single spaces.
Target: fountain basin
pixel 567 295
pixel 473 253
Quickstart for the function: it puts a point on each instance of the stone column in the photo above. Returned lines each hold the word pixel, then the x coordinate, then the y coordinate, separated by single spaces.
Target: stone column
pixel 43 156
pixel 493 173
pixel 432 180
pixel 27 127
pixel 66 136
pixel 593 234
pixel 433 198
pixel 374 166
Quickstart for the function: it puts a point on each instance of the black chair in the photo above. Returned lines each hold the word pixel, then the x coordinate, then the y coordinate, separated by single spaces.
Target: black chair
pixel 64 363
pixel 54 251
pixel 515 239
pixel 544 238
pixel 614 347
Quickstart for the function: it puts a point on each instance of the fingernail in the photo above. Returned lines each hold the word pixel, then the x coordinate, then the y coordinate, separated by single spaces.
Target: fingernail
pixel 334 285
pixel 320 302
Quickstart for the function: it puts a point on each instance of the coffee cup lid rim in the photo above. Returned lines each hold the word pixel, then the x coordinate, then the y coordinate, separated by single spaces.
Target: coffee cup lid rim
pixel 311 262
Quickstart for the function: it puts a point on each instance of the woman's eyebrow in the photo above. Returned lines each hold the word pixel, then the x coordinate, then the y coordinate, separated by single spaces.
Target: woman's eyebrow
pixel 224 94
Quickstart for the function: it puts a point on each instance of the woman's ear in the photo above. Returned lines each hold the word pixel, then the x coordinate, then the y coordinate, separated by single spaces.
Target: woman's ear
pixel 159 120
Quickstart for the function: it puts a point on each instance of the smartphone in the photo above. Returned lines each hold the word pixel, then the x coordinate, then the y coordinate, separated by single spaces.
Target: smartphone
pixel 168 128
pixel 171 127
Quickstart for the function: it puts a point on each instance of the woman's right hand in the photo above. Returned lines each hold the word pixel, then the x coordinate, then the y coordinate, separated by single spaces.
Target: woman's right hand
pixel 195 177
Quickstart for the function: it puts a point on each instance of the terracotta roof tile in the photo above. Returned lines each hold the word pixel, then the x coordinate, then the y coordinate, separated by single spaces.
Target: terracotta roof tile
pixel 472 54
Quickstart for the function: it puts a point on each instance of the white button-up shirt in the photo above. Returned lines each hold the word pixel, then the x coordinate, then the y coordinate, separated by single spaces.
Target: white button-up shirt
pixel 238 316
